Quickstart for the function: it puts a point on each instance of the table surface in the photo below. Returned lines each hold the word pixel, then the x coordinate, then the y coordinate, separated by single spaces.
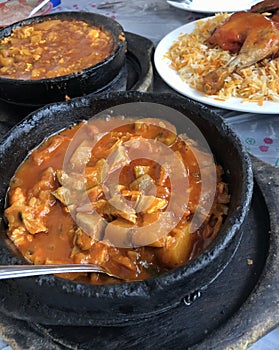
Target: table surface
pixel 154 19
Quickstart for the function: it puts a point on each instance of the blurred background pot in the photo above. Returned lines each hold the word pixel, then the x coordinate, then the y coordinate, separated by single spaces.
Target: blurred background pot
pixel 90 80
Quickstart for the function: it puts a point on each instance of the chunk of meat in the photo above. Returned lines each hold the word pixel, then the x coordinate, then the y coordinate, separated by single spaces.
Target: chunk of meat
pixel 275 16
pixel 270 6
pixel 63 194
pixel 243 28
pixel 34 213
pixel 264 6
pixel 31 211
pixel 12 213
pixel 82 241
pixel 251 35
pixel 114 208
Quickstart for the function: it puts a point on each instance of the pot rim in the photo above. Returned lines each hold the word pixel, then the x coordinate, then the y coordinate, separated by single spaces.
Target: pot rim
pixel 174 278
pixel 226 231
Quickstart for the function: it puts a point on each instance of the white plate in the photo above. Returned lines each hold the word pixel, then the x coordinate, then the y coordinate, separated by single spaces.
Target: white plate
pixel 213 6
pixel 171 77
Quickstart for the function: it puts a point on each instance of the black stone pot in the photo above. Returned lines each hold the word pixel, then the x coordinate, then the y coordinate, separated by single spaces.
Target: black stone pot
pixel 92 79
pixel 56 301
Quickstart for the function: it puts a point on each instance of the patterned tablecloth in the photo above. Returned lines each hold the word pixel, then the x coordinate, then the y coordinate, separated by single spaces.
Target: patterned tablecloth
pixel 154 19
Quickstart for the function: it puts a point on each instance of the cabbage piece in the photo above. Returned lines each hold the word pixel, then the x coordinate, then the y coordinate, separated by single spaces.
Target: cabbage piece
pixel 154 229
pixel 92 224
pixel 81 155
pixel 144 184
pixel 115 207
pixel 73 181
pixel 148 128
pixel 118 158
pixel 140 170
pixel 150 204
pixel 96 175
pixel 119 233
pixel 64 195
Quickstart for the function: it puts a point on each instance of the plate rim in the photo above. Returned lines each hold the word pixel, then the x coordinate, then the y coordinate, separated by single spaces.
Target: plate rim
pixel 171 78
pixel 191 8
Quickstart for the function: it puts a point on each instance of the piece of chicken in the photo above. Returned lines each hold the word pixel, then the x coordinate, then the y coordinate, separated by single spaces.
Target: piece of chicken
pixel 271 6
pixel 264 6
pixel 251 35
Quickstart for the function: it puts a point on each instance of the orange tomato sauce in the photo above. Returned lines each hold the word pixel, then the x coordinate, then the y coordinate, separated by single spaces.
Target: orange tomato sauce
pixel 78 201
pixel 53 48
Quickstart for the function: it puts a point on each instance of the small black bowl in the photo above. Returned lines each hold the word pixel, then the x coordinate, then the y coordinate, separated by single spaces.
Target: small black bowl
pixel 90 80
pixel 56 301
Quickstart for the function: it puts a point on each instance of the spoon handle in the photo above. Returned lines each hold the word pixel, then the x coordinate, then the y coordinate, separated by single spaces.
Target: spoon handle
pixel 15 271
pixel 37 8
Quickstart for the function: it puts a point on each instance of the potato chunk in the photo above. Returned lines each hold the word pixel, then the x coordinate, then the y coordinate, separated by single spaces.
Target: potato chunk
pixel 177 249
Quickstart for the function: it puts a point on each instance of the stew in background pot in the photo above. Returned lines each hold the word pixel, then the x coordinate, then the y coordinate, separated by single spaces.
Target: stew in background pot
pixel 53 48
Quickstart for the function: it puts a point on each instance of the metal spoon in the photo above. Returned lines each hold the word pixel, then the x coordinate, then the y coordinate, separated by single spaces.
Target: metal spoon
pixel 107 5
pixel 186 2
pixel 37 8
pixel 16 271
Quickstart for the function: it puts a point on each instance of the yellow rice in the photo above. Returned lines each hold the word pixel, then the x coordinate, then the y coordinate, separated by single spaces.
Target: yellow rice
pixel 192 59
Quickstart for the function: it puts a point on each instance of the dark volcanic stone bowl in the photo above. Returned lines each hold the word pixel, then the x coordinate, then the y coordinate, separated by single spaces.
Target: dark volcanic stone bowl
pixel 92 79
pixel 56 301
